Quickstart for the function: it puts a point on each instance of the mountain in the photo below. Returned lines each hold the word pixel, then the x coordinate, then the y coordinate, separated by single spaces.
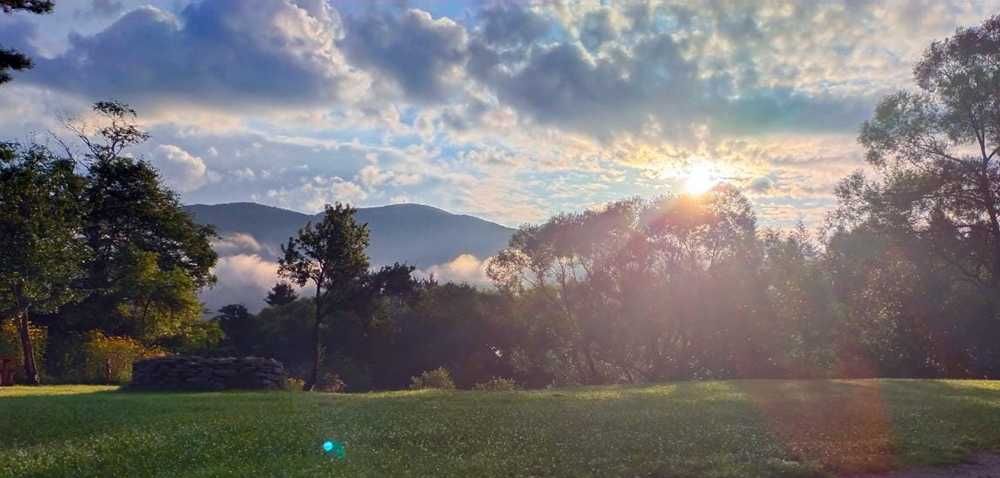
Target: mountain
pixel 419 235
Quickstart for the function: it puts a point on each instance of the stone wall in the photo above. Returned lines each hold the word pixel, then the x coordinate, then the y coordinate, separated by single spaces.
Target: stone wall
pixel 198 373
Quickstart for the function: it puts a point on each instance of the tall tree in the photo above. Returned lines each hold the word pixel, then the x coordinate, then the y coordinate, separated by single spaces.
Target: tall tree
pixel 12 59
pixel 936 153
pixel 137 229
pixel 238 325
pixel 281 294
pixel 42 252
pixel 331 255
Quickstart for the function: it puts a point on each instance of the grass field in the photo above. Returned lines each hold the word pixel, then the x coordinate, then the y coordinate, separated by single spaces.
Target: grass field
pixel 734 428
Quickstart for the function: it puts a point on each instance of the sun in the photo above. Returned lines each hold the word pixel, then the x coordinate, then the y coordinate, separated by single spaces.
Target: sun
pixel 700 180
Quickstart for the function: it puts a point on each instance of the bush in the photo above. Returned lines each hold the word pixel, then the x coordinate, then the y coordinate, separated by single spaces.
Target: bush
pixel 293 384
pixel 10 346
pixel 496 384
pixel 330 382
pixel 102 351
pixel 438 378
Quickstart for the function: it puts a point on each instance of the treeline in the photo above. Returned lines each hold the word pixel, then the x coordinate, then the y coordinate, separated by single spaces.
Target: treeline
pixel 902 280
pixel 98 262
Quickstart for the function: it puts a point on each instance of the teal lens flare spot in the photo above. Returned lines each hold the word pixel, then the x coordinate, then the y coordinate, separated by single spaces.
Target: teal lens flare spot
pixel 333 448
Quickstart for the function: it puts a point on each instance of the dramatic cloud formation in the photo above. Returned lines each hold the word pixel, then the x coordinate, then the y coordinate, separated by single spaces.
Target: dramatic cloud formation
pixel 223 52
pixel 422 55
pixel 509 110
pixel 243 279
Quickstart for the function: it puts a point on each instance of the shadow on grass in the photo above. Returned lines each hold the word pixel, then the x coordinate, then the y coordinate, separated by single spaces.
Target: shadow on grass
pixel 842 426
pixel 850 426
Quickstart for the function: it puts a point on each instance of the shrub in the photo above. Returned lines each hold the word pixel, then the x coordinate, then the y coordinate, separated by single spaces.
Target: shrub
pixel 330 382
pixel 10 346
pixel 496 384
pixel 438 378
pixel 294 384
pixel 102 351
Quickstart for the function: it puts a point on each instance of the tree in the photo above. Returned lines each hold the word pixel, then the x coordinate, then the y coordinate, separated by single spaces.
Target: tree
pixel 936 152
pixel 12 59
pixel 42 252
pixel 632 290
pixel 137 230
pixel 331 255
pixel 281 294
pixel 161 305
pixel 238 325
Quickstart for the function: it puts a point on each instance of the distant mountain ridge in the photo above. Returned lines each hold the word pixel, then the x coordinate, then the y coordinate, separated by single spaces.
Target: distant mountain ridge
pixel 416 234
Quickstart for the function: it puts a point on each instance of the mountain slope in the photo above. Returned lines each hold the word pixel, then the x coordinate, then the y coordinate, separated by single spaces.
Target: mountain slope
pixel 416 234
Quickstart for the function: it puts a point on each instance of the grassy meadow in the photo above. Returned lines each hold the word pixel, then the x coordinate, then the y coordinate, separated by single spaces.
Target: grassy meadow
pixel 729 428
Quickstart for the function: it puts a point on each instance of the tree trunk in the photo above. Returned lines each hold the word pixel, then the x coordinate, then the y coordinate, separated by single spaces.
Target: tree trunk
pixel 314 375
pixel 310 384
pixel 27 349
pixel 590 363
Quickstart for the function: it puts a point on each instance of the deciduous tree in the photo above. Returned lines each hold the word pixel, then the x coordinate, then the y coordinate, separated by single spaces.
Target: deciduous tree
pixel 42 250
pixel 331 255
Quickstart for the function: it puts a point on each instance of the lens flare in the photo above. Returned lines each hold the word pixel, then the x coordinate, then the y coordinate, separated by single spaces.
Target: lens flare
pixel 334 449
pixel 700 180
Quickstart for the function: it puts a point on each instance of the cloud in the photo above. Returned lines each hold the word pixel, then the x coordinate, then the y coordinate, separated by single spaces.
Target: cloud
pixel 420 54
pixel 464 269
pixel 511 24
pixel 316 192
pixel 243 279
pixel 237 244
pixel 606 86
pixel 181 170
pixel 509 110
pixel 101 8
pixel 17 33
pixel 761 184
pixel 597 29
pixel 227 53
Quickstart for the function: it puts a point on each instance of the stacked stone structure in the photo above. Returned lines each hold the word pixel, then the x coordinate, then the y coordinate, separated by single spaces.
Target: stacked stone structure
pixel 199 373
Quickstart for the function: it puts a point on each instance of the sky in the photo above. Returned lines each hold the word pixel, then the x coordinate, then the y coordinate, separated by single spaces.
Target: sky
pixel 511 111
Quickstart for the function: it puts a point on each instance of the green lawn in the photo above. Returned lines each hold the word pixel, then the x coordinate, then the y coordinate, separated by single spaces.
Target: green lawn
pixel 733 428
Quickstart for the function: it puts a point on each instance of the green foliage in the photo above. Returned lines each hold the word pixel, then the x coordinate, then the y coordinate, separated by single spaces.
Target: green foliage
pixel 438 378
pixel 130 209
pixel 293 384
pixel 10 346
pixel 936 155
pixel 626 288
pixel 160 304
pixel 284 333
pixel 331 255
pixel 330 382
pixel 496 384
pixel 42 254
pixel 730 429
pixel 149 258
pixel 196 337
pixel 109 359
pixel 282 294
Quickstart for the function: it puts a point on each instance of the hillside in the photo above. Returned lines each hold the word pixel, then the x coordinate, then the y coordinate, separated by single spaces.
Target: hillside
pixel 416 234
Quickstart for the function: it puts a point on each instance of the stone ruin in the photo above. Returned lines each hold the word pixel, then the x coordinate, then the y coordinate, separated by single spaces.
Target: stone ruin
pixel 200 373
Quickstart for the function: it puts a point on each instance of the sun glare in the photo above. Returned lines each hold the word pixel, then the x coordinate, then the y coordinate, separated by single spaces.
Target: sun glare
pixel 699 180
